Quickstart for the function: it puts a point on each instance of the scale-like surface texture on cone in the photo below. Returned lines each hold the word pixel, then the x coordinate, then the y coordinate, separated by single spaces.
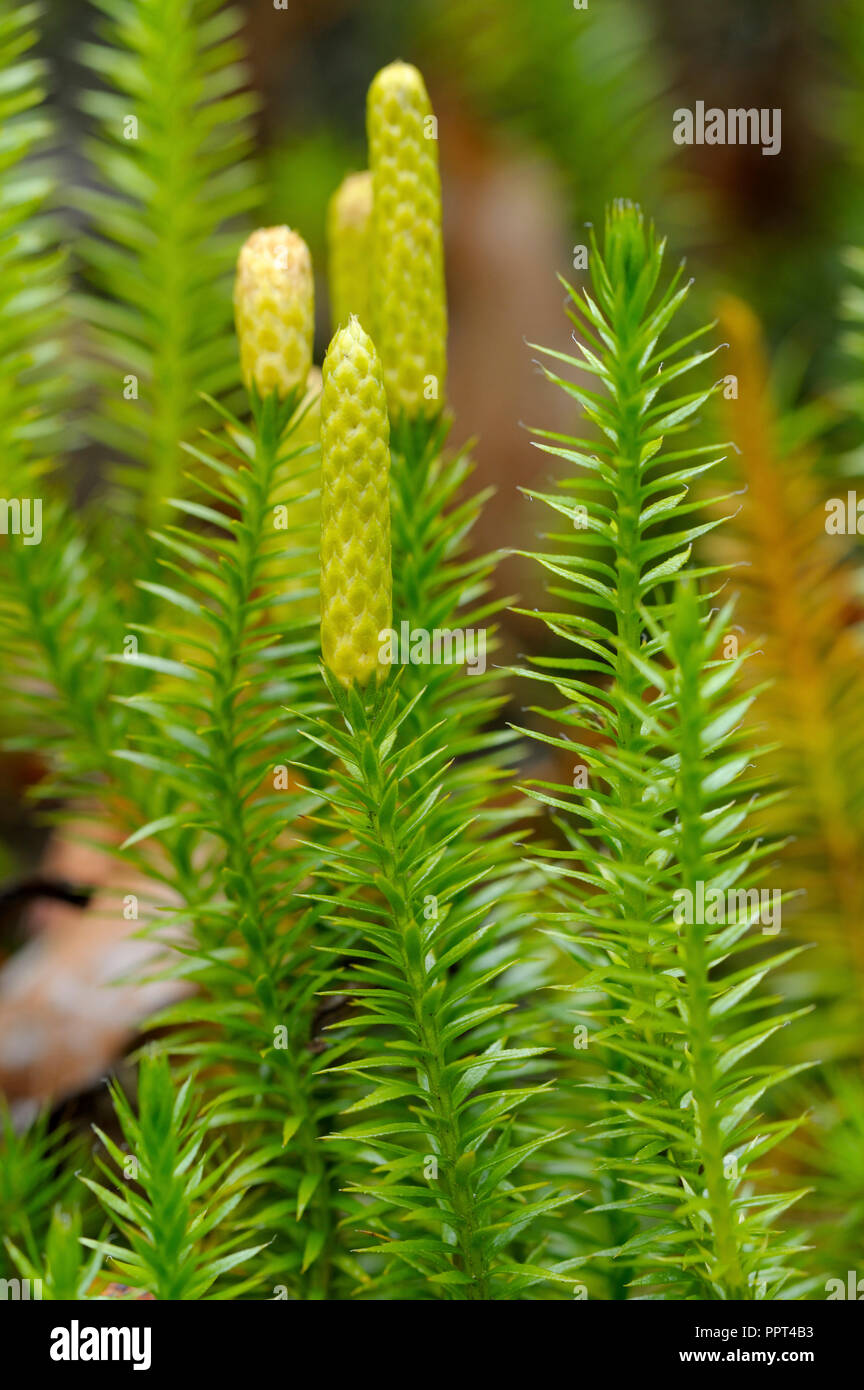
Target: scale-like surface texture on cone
pixel 409 311
pixel 356 587
pixel 349 241
pixel 274 310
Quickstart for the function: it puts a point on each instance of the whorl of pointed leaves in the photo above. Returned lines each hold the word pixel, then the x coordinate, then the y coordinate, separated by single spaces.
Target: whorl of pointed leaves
pixel 629 509
pixel 409 307
pixel 349 246
pixel 656 806
pixel 177 1235
pixel 274 310
pixel 438 1070
pixel 356 585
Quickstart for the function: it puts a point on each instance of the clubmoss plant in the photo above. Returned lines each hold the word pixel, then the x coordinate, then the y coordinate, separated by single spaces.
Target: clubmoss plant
pixel 421 842
pixel 659 807
pixel 251 952
pixel 438 583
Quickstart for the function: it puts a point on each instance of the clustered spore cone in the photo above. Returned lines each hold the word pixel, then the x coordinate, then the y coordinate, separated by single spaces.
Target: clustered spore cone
pixel 274 310
pixel 409 309
pixel 355 507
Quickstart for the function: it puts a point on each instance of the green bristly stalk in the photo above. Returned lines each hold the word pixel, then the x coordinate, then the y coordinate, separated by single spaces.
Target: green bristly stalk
pixel 442 1140
pixel 249 884
pixel 177 1223
pixel 408 943
pixel 632 537
pixel 266 990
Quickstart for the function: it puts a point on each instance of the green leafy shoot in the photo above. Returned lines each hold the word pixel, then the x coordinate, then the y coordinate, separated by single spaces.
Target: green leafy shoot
pixel 171 1195
pixel 425 960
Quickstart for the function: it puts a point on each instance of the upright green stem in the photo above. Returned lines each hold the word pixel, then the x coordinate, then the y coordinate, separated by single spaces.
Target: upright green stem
pixel 256 921
pixel 445 1133
pixel 626 564
pixel 626 677
pixel 696 966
